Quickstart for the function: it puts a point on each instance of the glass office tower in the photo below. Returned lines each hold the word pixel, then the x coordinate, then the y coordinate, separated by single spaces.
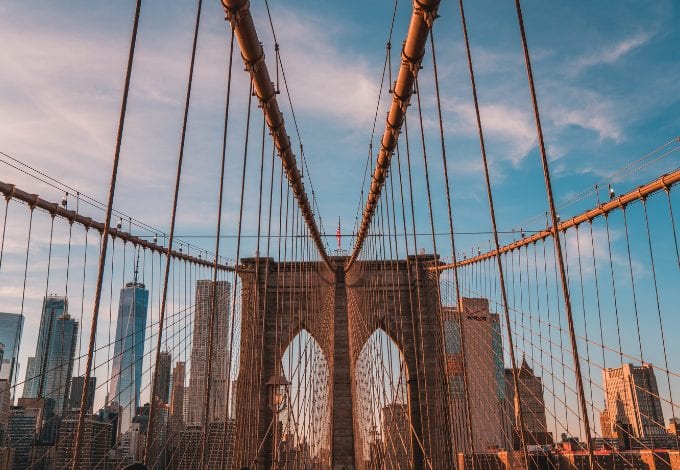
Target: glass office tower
pixel 126 374
pixel 52 366
pixel 11 325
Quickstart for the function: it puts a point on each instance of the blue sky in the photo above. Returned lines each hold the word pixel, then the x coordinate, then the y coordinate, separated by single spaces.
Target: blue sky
pixel 606 76
pixel 606 81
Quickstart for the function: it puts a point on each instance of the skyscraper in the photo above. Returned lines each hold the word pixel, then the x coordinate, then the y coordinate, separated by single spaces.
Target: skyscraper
pixel 11 325
pixel 22 432
pixel 48 374
pixel 533 406
pixel 31 424
pixel 485 374
pixel 163 386
pixel 199 353
pixel 633 407
pixel 128 352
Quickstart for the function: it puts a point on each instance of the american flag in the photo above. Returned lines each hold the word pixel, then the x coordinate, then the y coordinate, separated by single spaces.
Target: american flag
pixel 337 233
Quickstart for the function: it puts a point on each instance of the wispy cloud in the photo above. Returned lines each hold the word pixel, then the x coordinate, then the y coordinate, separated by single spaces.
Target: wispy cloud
pixel 613 52
pixel 503 123
pixel 323 78
pixel 591 116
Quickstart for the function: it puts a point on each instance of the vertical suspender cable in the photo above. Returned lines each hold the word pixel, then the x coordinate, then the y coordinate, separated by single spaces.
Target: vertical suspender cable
pixel 4 228
pixel 468 418
pixel 161 319
pixel 492 214
pixel 240 216
pixel 556 238
pixel 424 14
pixel 102 255
pixel 213 300
pixel 238 13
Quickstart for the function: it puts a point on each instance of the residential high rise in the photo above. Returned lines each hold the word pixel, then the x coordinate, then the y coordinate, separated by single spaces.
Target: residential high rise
pixel 187 453
pixel 533 406
pixel 163 385
pixel 396 436
pixel 132 440
pixel 11 325
pixel 128 351
pixel 22 426
pixel 158 450
pixel 111 414
pixel 32 430
pixel 177 399
pixel 5 404
pixel 77 384
pixel 194 414
pixel 48 374
pixel 633 408
pixel 485 374
pixel 96 443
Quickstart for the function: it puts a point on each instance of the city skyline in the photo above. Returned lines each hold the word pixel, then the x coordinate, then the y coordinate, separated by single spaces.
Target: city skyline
pixel 477 311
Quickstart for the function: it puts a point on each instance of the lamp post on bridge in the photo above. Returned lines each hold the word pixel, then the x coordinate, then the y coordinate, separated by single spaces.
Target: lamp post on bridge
pixel 277 387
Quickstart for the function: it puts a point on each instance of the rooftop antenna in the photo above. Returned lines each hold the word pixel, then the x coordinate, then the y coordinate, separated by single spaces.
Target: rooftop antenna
pixel 137 266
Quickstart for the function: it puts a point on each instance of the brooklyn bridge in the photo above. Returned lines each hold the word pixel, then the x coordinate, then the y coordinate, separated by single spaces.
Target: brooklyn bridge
pixel 220 322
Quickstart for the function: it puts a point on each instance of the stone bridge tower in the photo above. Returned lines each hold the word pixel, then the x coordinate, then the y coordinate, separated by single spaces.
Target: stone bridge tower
pixel 341 310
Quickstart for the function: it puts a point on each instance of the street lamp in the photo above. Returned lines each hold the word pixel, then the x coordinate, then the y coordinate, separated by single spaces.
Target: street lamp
pixel 277 386
pixel 278 391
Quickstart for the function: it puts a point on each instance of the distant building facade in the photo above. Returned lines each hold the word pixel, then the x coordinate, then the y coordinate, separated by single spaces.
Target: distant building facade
pixel 633 407
pixel 220 447
pixel 77 385
pixel 177 399
pixel 32 432
pixel 96 443
pixel 5 405
pixel 163 383
pixel 533 407
pixel 483 356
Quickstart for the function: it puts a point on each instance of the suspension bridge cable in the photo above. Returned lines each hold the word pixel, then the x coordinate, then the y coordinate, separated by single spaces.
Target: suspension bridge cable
pixel 423 16
pixel 102 255
pixel 178 177
pixel 213 287
pixel 556 237
pixel 492 215
pixel 468 419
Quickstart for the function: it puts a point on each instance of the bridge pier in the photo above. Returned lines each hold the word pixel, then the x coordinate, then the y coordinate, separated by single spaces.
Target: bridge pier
pixel 335 309
pixel 401 297
pixel 342 452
